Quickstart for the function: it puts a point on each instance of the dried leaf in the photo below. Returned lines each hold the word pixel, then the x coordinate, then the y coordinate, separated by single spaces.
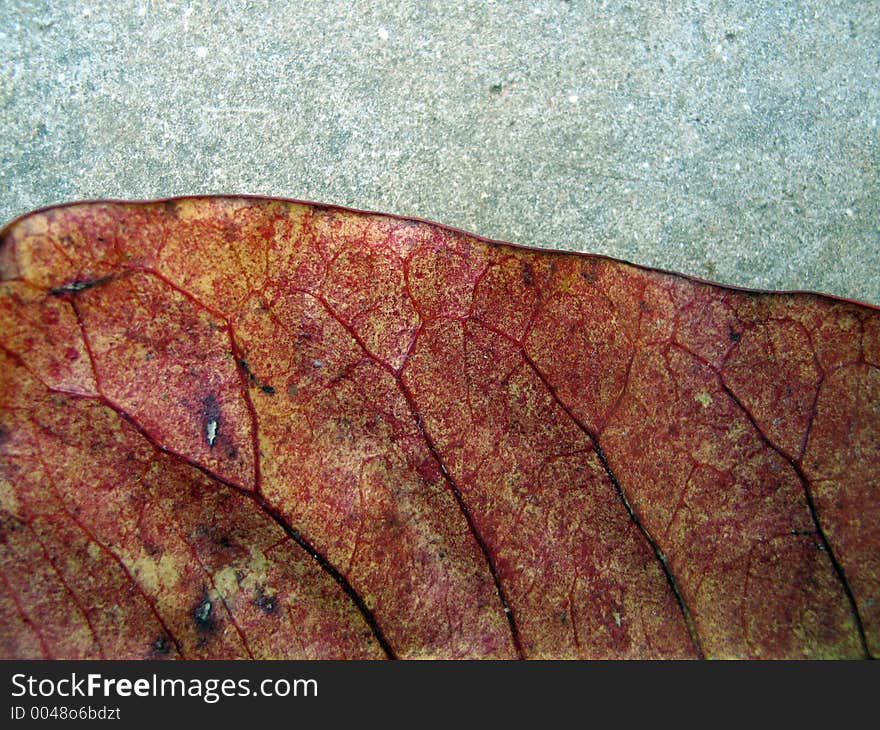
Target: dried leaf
pixel 235 427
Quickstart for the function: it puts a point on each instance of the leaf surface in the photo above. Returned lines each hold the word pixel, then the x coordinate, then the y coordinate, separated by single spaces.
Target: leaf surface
pixel 235 427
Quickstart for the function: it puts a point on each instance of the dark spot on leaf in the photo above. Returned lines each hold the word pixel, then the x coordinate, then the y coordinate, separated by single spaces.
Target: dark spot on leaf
pixel 9 524
pixel 588 273
pixel 161 645
pixel 243 364
pixel 735 336
pixel 268 389
pixel 527 272
pixel 78 285
pixel 203 614
pixel 267 603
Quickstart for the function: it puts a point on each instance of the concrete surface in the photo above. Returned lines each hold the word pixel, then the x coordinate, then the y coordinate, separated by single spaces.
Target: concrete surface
pixel 735 140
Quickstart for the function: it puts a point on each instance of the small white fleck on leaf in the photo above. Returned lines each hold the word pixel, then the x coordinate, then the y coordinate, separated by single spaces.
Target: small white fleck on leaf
pixel 211 431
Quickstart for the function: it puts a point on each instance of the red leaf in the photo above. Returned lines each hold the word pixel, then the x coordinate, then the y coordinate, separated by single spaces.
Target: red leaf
pixel 258 428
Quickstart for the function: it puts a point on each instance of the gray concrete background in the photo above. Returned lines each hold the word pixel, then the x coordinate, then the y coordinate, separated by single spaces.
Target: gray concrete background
pixel 736 141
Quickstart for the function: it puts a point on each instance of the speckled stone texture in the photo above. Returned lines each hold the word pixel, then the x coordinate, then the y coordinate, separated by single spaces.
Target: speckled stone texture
pixel 735 141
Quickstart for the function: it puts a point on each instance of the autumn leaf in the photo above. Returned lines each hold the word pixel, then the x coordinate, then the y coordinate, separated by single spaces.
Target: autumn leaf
pixel 235 427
